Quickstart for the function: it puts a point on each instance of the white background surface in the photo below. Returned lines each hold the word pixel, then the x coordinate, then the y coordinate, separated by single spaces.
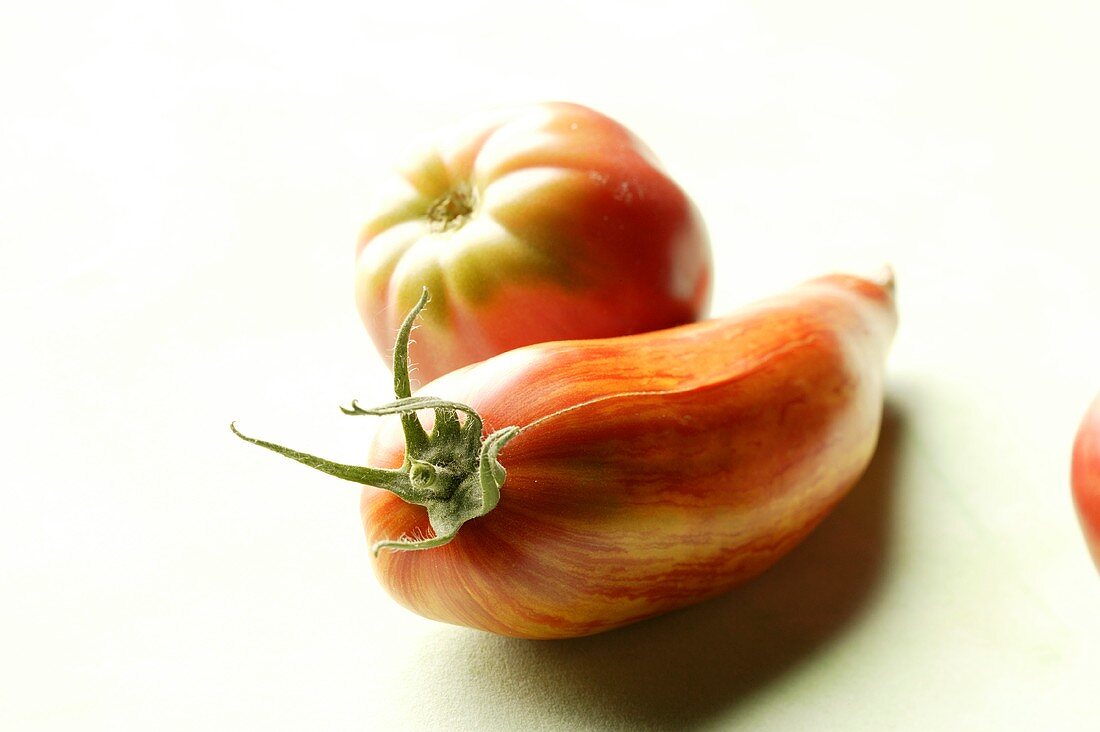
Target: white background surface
pixel 181 185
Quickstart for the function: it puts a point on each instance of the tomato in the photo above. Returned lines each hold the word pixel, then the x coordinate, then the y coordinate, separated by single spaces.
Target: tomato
pixel 528 225
pixel 594 483
pixel 1086 477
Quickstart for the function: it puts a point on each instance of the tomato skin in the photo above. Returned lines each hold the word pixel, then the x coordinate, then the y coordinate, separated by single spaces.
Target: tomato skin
pixel 1086 477
pixel 711 450
pixel 574 232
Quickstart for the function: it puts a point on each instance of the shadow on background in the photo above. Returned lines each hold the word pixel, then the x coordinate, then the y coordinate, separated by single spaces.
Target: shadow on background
pixel 690 666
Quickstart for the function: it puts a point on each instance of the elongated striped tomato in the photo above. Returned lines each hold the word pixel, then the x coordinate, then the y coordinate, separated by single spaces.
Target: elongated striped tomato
pixel 596 483
pixel 1086 477
pixel 529 224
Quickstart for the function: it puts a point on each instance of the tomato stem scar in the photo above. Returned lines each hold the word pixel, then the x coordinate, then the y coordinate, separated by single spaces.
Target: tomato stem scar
pixel 450 211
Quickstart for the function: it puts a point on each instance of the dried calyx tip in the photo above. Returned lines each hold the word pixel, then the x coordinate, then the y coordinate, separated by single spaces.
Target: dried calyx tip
pixel 884 278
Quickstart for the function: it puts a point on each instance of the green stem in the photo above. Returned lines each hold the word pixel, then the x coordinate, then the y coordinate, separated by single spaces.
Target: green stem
pixel 457 474
pixel 395 481
pixel 491 473
pixel 415 436
pixel 405 545
pixel 409 405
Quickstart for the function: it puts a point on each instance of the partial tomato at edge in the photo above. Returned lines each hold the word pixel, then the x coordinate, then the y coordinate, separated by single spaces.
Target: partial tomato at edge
pixel 532 224
pixel 1086 477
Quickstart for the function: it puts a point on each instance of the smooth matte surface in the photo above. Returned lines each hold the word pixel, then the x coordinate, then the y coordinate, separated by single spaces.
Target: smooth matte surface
pixel 182 186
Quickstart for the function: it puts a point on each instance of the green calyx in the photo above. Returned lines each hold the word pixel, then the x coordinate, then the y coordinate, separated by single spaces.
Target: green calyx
pixel 452 471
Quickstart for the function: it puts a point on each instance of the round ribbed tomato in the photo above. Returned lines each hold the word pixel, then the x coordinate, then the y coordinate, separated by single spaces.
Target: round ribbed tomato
pixel 1086 477
pixel 533 224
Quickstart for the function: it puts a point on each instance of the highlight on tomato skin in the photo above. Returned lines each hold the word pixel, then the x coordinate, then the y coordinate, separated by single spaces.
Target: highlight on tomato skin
pixel 1085 477
pixel 531 224
pixel 649 472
